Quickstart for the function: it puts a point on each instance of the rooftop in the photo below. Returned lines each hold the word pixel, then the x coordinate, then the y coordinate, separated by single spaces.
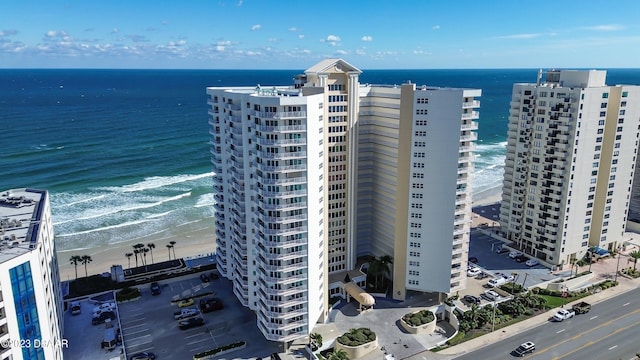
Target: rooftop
pixel 20 212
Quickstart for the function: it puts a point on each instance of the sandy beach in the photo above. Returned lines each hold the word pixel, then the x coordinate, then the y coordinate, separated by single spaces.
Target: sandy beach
pixel 194 239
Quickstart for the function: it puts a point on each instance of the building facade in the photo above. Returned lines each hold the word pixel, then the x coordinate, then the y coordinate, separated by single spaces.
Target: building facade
pixel 311 176
pixel 31 310
pixel 571 154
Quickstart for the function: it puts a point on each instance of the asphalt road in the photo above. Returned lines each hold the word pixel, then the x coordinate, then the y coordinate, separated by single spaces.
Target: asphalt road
pixel 611 330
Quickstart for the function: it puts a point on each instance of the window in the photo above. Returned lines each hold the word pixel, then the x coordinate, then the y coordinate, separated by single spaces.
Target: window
pixel 605 95
pixel 604 113
pixel 625 93
pixel 603 105
pixel 622 112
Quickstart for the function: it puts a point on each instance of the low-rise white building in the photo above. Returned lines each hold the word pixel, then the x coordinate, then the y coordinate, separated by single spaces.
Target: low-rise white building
pixel 31 319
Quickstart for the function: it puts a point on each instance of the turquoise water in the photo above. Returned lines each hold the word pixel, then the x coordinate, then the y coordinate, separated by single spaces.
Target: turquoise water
pixel 124 153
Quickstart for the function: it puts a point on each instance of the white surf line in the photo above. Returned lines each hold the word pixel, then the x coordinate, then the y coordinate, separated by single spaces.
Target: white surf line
pixel 559 331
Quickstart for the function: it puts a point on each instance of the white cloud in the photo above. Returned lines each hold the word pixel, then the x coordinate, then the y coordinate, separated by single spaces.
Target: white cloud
pixel 333 38
pixel 240 2
pixel 256 27
pixel 342 52
pixel 293 29
pixel 609 27
pixel 521 36
pixel 366 38
pixel 273 40
pixel 435 27
pixel 114 31
pixel 300 36
pixel 360 52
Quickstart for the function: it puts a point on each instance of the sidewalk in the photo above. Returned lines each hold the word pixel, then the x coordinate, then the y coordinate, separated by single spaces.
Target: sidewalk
pixel 624 285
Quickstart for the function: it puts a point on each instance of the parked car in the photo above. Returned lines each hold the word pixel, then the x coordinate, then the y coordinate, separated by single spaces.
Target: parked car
pixel 474 271
pixel 515 254
pixel 189 323
pixel 531 262
pixel 75 308
pixel 473 260
pixel 102 317
pixel 501 249
pixel 521 258
pixel 145 355
pixel 211 304
pixel 185 313
pixel 563 314
pixel 470 299
pixel 490 295
pixel 581 307
pixel 185 302
pixel 214 276
pixel 496 281
pixel 155 288
pixel 525 348
pixel 204 278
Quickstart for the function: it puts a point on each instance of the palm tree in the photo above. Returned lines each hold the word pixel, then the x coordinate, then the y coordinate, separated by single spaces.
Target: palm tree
pixel 129 255
pixel 151 246
pixel 375 269
pixel 144 254
pixel 338 355
pixel 137 249
pixel 169 246
pixel 316 339
pixel 85 260
pixel 635 255
pixel 386 261
pixel 173 246
pixel 75 260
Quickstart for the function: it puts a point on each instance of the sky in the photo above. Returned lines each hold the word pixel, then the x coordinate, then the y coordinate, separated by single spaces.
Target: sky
pixel 285 34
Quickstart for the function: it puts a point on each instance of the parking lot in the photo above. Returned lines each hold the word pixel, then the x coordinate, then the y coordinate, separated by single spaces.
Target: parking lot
pixel 483 246
pixel 148 324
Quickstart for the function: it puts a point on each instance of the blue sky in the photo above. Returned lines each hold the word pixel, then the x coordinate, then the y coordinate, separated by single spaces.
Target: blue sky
pixel 284 34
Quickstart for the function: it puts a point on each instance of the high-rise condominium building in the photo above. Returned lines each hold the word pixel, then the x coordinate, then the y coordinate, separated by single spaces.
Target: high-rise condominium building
pixel 571 153
pixel 30 298
pixel 309 177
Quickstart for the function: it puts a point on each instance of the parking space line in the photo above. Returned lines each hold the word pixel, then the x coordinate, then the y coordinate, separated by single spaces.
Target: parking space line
pixel 197 341
pixel 131 327
pixel 139 331
pixel 190 336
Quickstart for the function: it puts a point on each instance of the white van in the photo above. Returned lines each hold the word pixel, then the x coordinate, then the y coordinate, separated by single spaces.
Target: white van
pixel 496 281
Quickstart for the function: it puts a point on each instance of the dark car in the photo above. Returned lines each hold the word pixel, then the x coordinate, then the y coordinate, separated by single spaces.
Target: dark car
pixel 473 260
pixel 470 299
pixel 521 258
pixel 145 355
pixel 191 322
pixel 211 304
pixel 204 278
pixel 102 317
pixel 214 276
pixel 155 288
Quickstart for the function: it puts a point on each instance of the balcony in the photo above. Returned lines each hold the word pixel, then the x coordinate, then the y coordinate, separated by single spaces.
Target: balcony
pixel 281 155
pixel 281 142
pixel 280 168
pixel 282 129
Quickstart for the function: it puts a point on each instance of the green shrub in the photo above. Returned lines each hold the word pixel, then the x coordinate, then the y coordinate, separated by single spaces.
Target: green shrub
pixel 357 337
pixel 420 318
pixel 127 294
pixel 219 349
pixel 456 339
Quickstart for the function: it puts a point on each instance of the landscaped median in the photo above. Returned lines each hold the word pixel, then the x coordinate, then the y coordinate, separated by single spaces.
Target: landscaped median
pixel 483 320
pixel 215 353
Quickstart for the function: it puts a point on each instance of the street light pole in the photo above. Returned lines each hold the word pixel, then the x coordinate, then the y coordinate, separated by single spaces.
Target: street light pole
pixel 493 318
pixel 617 268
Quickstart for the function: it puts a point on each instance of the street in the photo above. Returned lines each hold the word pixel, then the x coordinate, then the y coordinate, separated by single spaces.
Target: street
pixel 611 330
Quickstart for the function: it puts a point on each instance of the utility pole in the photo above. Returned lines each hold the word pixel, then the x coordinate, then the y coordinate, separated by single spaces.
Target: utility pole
pixel 615 277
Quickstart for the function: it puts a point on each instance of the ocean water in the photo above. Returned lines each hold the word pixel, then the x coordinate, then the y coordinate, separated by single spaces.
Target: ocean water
pixel 125 154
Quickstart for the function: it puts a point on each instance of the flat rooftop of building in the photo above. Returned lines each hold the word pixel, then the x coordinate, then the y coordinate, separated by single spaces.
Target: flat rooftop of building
pixel 20 212
pixel 340 276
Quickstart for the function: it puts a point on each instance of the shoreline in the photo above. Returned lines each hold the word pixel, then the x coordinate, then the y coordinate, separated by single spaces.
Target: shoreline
pixel 190 242
pixel 195 239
